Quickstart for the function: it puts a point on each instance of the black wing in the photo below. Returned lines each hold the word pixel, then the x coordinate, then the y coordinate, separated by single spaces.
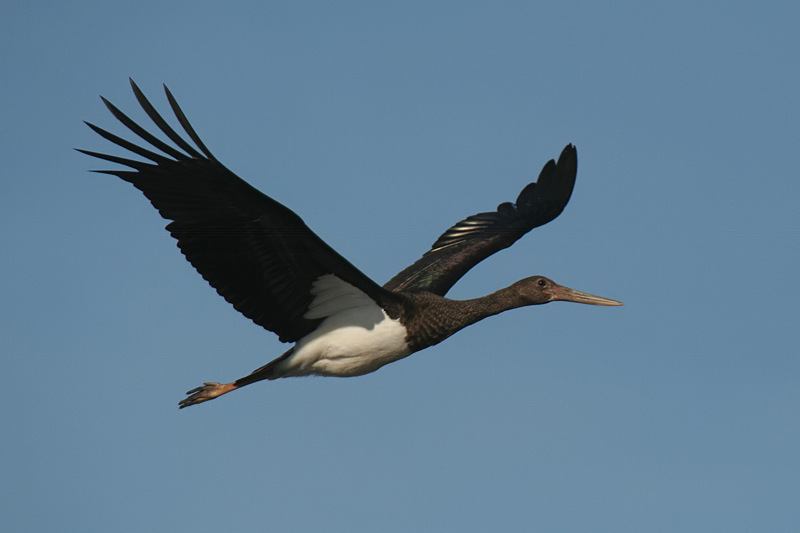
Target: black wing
pixel 477 237
pixel 259 255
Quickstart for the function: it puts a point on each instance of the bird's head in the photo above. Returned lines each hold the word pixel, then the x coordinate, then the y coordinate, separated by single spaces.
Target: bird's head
pixel 541 290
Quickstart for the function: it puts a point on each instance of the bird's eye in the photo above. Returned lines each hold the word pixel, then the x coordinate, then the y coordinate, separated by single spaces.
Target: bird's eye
pixel 542 283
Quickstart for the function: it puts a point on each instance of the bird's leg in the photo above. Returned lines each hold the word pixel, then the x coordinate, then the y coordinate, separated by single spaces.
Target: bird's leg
pixel 205 392
pixel 211 390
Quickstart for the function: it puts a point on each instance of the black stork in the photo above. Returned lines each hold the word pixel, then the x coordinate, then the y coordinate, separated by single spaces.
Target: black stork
pixel 262 258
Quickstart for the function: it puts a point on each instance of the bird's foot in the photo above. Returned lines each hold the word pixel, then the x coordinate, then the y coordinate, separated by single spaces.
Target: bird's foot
pixel 208 391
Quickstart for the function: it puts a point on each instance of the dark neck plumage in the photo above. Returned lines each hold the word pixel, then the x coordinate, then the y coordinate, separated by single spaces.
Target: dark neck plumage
pixel 435 318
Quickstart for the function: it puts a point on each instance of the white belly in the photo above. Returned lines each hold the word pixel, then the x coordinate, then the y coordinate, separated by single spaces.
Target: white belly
pixel 356 336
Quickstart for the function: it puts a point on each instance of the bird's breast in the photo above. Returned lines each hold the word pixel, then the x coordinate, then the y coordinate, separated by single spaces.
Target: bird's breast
pixel 351 343
pixel 355 337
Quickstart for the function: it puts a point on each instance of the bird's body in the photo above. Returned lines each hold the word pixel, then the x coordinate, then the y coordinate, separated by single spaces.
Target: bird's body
pixel 263 259
pixel 356 335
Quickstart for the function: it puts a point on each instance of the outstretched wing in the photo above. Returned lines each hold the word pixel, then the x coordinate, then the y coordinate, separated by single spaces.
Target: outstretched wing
pixel 259 255
pixel 475 238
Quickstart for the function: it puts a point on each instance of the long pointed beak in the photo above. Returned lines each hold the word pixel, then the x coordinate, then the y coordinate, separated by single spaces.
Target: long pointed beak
pixel 565 294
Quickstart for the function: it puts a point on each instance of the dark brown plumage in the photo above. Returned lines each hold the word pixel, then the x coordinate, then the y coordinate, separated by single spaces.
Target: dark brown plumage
pixel 263 259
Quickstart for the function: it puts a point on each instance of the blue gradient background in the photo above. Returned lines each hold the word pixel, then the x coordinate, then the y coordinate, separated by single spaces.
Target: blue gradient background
pixel 382 123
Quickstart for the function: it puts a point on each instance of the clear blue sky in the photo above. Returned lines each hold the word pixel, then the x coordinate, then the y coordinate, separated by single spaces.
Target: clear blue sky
pixel 381 123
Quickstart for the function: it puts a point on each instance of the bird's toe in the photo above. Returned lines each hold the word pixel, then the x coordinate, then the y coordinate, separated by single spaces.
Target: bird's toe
pixel 205 392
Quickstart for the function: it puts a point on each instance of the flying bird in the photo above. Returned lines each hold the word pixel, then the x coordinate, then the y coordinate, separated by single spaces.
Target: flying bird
pixel 263 259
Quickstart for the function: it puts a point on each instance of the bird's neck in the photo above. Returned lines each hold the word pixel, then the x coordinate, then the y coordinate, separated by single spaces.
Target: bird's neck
pixel 485 306
pixel 444 317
